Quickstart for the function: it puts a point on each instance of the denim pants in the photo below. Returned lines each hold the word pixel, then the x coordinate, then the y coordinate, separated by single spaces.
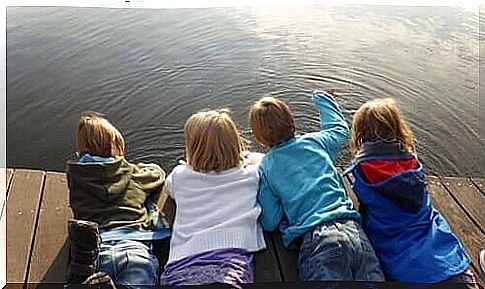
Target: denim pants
pixel 129 263
pixel 338 251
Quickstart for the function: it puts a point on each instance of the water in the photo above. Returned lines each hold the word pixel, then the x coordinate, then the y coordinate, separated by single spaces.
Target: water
pixel 148 70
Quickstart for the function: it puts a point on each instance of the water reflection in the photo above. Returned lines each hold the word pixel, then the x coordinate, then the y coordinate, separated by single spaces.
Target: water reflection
pixel 148 70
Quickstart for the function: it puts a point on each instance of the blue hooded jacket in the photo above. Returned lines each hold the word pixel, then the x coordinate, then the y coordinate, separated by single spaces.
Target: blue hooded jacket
pixel 411 239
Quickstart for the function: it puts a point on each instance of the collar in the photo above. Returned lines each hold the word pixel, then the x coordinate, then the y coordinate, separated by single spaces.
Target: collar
pixel 285 141
pixel 381 148
pixel 377 150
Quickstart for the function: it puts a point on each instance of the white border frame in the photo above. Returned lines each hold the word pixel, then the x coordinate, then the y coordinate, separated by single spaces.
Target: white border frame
pixel 157 4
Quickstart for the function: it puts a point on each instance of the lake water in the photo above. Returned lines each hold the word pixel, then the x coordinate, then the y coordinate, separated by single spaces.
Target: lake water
pixel 148 70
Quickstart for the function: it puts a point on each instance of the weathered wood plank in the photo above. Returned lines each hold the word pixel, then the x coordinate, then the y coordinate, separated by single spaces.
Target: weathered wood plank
pixel 22 210
pixel 8 178
pixel 50 256
pixel 479 184
pixel 460 223
pixel 3 198
pixel 3 245
pixel 468 196
pixel 266 267
pixel 287 258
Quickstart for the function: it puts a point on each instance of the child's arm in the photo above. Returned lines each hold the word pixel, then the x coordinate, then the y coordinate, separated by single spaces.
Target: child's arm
pixel 151 178
pixel 166 203
pixel 334 129
pixel 271 209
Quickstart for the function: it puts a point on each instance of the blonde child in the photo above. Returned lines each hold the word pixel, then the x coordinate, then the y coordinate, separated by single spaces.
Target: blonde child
pixel 215 231
pixel 107 190
pixel 302 193
pixel 412 240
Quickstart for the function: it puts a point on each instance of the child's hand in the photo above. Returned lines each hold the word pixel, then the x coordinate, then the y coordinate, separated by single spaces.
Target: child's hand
pixel 332 91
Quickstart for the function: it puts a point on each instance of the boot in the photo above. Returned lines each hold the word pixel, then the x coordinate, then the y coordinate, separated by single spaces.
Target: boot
pixel 85 242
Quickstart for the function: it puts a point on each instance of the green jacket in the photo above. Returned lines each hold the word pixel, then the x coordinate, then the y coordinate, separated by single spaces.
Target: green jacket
pixel 113 194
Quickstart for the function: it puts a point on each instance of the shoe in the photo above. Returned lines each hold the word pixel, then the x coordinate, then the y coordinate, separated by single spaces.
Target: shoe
pixel 85 242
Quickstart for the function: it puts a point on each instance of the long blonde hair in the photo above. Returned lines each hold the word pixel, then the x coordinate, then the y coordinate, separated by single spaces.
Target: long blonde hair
pixel 380 119
pixel 97 136
pixel 212 141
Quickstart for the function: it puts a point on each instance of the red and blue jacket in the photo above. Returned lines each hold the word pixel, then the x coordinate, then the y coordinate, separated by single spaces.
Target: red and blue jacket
pixel 412 240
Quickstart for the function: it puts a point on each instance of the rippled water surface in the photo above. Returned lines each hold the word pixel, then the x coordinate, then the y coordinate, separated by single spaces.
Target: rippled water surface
pixel 148 70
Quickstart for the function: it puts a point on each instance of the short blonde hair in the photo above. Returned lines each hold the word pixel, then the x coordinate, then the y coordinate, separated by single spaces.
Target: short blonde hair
pixel 212 141
pixel 380 119
pixel 97 136
pixel 271 121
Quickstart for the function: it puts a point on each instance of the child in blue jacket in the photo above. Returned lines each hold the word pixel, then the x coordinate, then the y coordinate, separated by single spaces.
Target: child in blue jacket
pixel 412 240
pixel 302 193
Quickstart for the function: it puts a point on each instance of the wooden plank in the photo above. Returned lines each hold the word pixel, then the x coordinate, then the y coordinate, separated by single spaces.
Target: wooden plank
pixel 287 258
pixel 460 223
pixel 8 178
pixel 3 202
pixel 479 184
pixel 3 247
pixel 468 196
pixel 22 209
pixel 50 255
pixel 266 267
pixel 348 181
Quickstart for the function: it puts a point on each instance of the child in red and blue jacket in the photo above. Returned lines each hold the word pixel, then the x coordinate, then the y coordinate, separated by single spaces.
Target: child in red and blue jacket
pixel 411 238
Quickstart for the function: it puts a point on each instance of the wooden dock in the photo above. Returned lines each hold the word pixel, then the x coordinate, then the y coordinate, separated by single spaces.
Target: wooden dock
pixel 37 210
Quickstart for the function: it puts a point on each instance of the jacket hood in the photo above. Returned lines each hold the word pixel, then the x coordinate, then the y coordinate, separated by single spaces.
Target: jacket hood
pixel 113 194
pixel 406 189
pixel 114 176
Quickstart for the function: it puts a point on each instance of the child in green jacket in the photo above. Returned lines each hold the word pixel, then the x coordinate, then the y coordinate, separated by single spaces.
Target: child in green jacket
pixel 119 196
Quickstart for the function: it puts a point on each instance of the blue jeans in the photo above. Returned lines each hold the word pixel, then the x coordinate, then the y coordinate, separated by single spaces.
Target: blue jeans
pixel 338 251
pixel 129 263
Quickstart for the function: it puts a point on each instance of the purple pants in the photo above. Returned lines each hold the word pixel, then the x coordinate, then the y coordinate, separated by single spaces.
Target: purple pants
pixel 230 266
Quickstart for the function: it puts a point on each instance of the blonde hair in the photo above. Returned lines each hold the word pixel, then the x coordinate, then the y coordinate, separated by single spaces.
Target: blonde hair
pixel 380 119
pixel 271 121
pixel 212 141
pixel 97 136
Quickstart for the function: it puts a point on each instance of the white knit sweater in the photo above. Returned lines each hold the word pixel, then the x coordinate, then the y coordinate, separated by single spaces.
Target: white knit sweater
pixel 215 210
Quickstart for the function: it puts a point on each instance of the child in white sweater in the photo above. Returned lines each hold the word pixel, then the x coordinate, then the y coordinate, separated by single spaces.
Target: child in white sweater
pixel 216 230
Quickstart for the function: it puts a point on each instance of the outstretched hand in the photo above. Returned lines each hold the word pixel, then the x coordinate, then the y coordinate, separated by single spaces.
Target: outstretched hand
pixel 332 91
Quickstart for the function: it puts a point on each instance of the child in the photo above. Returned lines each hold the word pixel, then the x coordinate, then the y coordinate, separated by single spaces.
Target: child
pixel 108 190
pixel 412 240
pixel 216 228
pixel 302 193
